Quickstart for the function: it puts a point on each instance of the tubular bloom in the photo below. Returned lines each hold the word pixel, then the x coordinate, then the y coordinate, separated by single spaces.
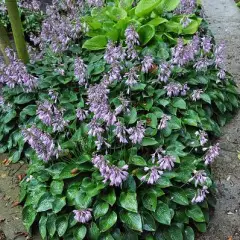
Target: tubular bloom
pixel 211 154
pixel 167 162
pixel 164 121
pixel 147 64
pixel 200 195
pixel 196 95
pixel 202 64
pixel 132 77
pixel 114 53
pixel 199 177
pixel 15 74
pixel 95 3
pixel 121 132
pixel 51 116
pixel 165 70
pixel 80 71
pixel 206 44
pixel 137 133
pixel 174 89
pixel 202 137
pixel 82 216
pixel 114 174
pixel 81 114
pixel 41 142
pixel 185 21
pixel 132 39
pixel 153 174
pixel 186 7
pixel 221 74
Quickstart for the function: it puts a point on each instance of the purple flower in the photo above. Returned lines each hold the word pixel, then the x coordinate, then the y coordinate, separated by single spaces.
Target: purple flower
pixel 123 107
pixel 219 55
pixel 202 137
pixel 114 174
pixel 185 21
pixel 200 195
pixel 80 71
pixel 184 89
pixel 186 7
pixel 211 154
pixel 41 142
pixel 95 3
pixel 147 64
pixel 154 173
pixel 221 74
pixel 167 162
pixel 137 133
pixel 53 95
pixel 132 77
pixel 101 141
pixel 15 74
pixel 158 153
pixel 115 72
pixel 206 44
pixel 195 44
pixel 110 118
pixel 165 70
pixel 202 64
pixel 164 121
pixel 114 54
pixel 132 37
pixel 95 129
pixel 82 216
pixel 51 116
pixel 200 177
pixel 81 114
pixel 121 132
pixel 196 95
pixel 173 89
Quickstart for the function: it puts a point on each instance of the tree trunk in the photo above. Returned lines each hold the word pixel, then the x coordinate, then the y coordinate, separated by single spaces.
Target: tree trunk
pixel 17 30
pixel 4 42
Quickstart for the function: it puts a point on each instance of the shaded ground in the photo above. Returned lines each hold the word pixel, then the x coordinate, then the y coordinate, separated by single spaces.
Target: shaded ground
pixel 224 19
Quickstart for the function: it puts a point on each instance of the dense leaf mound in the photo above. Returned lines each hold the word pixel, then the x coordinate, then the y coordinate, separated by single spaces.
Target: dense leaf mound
pixel 117 120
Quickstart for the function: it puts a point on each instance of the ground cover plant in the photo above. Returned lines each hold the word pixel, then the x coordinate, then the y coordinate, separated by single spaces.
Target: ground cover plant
pixel 116 117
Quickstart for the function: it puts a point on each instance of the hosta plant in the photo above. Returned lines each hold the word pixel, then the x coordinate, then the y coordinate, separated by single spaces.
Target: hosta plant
pixel 117 120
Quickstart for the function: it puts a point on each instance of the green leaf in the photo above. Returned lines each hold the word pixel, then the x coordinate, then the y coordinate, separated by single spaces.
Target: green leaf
pixel 179 103
pixel 174 233
pixel 28 110
pixel 145 7
pixel 56 187
pixel 80 233
pixel 157 21
pixel 148 222
pixel 195 213
pixel 94 232
pixel 62 225
pixel 45 202
pixel 163 213
pixel 116 14
pixel 58 204
pixel 100 209
pixel 201 227
pixel 180 197
pixel 96 43
pixel 9 116
pixel 128 201
pixel 28 215
pixel 107 221
pixel 137 160
pixel 42 226
pixel 132 220
pixel 192 27
pixel 152 120
pixel 146 33
pixel 132 116
pixel 205 97
pixel 189 233
pixel 126 4
pixel 109 196
pixel 150 201
pixel 149 141
pixel 168 5
pixel 51 224
pixel 24 98
pixel 82 200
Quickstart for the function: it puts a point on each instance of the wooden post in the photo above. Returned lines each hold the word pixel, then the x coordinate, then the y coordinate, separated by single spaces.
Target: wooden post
pixel 4 42
pixel 17 30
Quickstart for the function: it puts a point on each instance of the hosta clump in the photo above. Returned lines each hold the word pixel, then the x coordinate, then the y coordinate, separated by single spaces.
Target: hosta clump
pixel 121 127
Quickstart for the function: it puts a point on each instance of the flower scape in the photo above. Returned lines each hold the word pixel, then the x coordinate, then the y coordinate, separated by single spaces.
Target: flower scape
pixel 117 115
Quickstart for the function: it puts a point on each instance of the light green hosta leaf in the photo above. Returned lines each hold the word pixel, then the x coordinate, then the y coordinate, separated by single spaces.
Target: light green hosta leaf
pixel 96 43
pixel 146 33
pixel 149 141
pixel 145 7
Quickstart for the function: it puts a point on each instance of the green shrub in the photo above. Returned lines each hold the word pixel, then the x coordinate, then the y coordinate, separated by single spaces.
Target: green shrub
pixel 120 131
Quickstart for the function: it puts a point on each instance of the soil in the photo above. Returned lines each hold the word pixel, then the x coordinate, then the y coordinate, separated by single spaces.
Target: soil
pixel 224 19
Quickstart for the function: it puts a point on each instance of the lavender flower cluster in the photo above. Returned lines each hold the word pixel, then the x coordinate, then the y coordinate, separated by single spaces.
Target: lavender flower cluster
pixel 15 74
pixel 111 173
pixel 82 216
pixel 50 115
pixel 186 7
pixel 41 142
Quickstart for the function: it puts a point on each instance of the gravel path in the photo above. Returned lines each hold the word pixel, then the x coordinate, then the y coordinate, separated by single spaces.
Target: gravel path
pixel 224 19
